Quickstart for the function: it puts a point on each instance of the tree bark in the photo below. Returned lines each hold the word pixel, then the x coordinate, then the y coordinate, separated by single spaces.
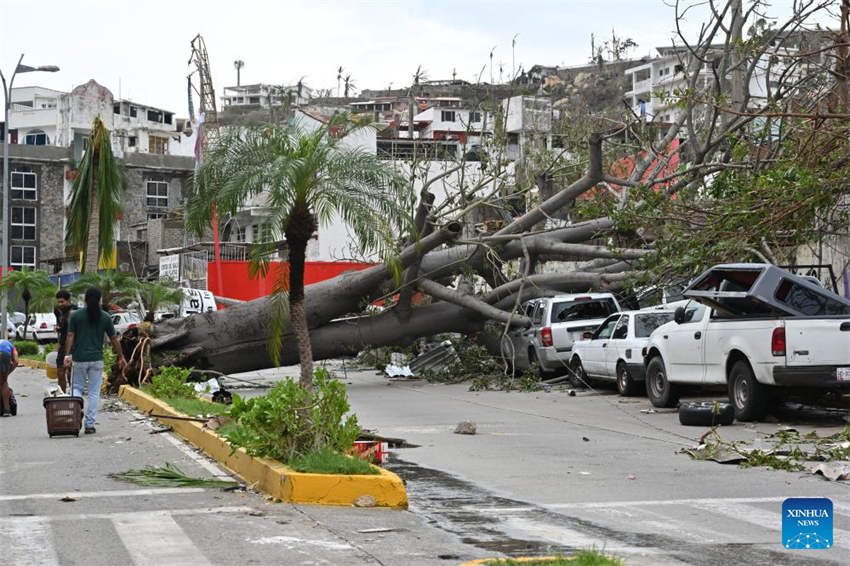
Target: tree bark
pixel 93 241
pixel 302 224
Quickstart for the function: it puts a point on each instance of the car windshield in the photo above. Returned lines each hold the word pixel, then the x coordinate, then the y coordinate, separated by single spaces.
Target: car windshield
pixel 646 323
pixel 582 310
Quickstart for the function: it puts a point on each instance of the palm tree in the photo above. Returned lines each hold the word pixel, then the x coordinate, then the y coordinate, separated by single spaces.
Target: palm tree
pixel 163 293
pixel 95 200
pixel 309 178
pixel 121 285
pixel 26 285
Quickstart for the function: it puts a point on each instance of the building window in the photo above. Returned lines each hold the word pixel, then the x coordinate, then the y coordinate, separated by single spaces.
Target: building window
pixel 157 191
pixel 23 223
pixel 85 143
pixel 240 234
pixel 131 141
pixel 36 137
pixel 23 184
pixel 157 145
pixel 156 215
pixel 254 100
pixel 154 116
pixel 133 111
pixel 474 117
pixel 447 116
pixel 22 256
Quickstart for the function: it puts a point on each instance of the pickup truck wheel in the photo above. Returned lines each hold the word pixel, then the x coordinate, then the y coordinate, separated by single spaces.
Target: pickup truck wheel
pixel 627 386
pixel 749 397
pixel 660 391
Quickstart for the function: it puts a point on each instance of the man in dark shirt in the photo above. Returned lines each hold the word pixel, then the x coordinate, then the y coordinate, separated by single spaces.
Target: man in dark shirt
pixel 63 301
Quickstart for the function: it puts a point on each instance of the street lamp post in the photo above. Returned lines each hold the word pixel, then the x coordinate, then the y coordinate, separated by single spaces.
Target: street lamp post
pixel 7 92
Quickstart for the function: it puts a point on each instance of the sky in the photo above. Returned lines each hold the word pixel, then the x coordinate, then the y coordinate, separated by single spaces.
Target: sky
pixel 140 50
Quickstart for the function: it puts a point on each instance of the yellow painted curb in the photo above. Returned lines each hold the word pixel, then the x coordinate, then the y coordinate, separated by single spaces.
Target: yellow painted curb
pixel 274 478
pixel 494 561
pixel 32 363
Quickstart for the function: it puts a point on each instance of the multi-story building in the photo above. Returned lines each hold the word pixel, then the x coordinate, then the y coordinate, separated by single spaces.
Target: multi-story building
pixel 264 95
pixel 49 135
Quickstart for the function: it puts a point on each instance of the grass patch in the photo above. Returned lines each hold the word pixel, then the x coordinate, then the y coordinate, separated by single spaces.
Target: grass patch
pixel 326 461
pixel 586 557
pixel 195 407
pixel 40 357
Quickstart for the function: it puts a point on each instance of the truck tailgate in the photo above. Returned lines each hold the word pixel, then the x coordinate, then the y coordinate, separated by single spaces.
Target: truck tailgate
pixel 817 341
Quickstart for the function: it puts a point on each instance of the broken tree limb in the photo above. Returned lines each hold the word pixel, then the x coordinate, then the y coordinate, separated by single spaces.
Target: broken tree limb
pixel 470 302
pixel 564 282
pixel 540 246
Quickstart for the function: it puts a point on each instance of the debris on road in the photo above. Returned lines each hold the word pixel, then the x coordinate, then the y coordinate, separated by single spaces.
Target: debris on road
pixel 365 501
pixel 833 471
pixel 571 393
pixel 169 476
pixel 466 427
pixel 586 439
pixel 632 477
pixel 437 359
pixel 70 498
pixel 378 530
pixel 648 411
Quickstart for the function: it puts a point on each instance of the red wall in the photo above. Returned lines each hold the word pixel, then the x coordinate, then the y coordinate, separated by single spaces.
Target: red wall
pixel 237 284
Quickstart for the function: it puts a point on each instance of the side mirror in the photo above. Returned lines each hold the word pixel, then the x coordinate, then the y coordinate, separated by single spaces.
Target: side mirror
pixel 587 335
pixel 679 315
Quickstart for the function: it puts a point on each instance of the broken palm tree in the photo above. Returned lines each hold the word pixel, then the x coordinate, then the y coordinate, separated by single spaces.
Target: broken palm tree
pixel 169 476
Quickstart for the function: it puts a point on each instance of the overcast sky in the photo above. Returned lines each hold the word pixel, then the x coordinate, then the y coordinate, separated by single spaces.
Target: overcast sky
pixel 144 46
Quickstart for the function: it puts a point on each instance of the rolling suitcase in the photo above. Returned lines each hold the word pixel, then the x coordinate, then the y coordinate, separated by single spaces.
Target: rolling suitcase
pixel 64 414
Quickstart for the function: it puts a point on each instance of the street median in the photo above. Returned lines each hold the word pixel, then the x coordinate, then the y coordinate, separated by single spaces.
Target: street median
pixel 271 477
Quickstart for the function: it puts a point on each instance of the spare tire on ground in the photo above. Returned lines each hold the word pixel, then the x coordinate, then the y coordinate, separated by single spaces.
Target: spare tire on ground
pixel 703 414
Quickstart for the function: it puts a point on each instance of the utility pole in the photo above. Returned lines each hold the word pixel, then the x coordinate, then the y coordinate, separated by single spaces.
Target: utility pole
pixel 4 268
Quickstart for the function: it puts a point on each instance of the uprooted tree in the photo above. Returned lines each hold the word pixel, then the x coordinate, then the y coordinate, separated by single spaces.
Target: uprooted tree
pixel 746 159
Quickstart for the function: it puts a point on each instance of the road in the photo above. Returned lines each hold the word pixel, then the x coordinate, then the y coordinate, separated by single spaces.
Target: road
pixel 548 472
pixel 109 522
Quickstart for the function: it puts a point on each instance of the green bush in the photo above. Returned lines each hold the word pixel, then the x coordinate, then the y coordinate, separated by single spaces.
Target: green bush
pixel 27 348
pixel 171 382
pixel 109 358
pixel 290 421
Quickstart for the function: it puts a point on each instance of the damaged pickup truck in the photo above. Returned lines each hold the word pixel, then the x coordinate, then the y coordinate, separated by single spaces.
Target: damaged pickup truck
pixel 757 329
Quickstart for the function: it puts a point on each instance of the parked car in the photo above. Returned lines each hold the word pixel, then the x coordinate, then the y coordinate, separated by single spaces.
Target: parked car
pixel 614 351
pixel 41 328
pixel 13 321
pixel 755 328
pixel 557 323
pixel 124 321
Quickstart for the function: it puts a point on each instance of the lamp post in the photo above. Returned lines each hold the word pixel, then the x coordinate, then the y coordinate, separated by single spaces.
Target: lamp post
pixel 7 92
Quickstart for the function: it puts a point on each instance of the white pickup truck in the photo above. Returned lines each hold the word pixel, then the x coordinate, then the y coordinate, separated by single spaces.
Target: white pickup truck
pixel 755 328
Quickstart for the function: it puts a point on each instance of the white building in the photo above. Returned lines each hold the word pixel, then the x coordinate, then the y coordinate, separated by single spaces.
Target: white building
pixel 264 95
pixel 41 116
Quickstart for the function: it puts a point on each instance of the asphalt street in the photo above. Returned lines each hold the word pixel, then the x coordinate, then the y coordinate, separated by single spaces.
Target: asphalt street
pixel 59 507
pixel 549 472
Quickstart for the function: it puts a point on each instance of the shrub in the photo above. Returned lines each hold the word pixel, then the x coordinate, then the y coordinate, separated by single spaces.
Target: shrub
pixel 326 461
pixel 109 358
pixel 290 421
pixel 27 348
pixel 171 382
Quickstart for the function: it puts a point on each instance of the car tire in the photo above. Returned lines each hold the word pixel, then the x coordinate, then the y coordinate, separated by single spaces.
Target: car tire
pixel 660 391
pixel 749 398
pixel 533 359
pixel 577 375
pixel 701 414
pixel 626 385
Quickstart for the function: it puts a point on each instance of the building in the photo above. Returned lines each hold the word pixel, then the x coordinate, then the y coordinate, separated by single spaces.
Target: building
pixel 41 116
pixel 257 96
pixel 49 137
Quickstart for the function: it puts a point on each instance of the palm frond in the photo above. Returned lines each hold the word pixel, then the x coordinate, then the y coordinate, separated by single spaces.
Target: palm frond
pixel 169 476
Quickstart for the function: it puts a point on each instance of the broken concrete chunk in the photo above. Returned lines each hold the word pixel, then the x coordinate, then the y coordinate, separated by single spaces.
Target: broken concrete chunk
pixel 466 427
pixel 365 501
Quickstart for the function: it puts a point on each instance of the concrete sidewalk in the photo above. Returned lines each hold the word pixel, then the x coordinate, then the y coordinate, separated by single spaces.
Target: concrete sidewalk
pixel 109 522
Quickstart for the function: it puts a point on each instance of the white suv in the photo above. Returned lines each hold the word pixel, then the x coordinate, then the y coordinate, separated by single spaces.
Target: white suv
pixel 557 323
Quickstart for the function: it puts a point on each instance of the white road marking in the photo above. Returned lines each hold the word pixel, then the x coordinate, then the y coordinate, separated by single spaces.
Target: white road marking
pixel 769 520
pixel 155 538
pixel 217 472
pixel 27 540
pixel 109 516
pixel 291 542
pixel 112 493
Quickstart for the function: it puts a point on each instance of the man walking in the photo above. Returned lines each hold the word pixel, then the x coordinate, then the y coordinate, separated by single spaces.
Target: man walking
pixel 84 349
pixel 63 300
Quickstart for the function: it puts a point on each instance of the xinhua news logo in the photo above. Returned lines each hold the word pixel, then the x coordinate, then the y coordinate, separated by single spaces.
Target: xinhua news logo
pixel 807 523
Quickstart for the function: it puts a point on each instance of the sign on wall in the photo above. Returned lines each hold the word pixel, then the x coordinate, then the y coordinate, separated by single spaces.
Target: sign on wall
pixel 169 266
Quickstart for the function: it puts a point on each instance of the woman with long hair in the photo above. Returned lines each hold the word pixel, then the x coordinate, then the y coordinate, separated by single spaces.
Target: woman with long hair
pixel 84 348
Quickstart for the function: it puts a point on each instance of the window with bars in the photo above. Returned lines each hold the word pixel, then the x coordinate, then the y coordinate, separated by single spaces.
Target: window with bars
pixel 157 145
pixel 22 256
pixel 157 191
pixel 155 215
pixel 36 137
pixel 474 117
pixel 24 183
pixel 23 223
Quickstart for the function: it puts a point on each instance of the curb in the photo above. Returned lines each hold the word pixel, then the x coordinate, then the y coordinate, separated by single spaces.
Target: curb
pixel 271 477
pixel 35 364
pixel 481 561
